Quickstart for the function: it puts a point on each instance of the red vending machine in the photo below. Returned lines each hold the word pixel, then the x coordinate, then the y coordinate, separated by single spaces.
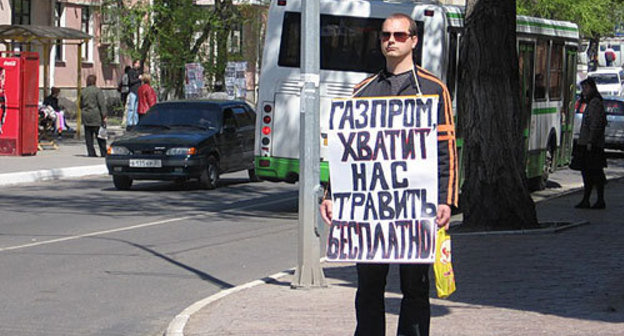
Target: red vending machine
pixel 19 98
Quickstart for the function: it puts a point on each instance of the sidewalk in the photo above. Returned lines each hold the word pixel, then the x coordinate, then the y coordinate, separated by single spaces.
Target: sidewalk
pixel 565 283
pixel 69 160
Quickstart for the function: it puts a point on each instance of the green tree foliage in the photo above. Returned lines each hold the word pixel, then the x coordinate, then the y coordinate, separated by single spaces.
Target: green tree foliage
pixel 177 32
pixel 595 17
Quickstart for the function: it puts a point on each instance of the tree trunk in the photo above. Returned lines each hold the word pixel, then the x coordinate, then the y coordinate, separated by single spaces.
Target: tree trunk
pixel 495 194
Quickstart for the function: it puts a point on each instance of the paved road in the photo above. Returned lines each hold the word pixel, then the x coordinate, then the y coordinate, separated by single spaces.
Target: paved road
pixel 81 258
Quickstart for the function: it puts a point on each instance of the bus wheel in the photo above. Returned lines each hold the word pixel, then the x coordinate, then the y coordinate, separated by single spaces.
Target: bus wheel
pixel 210 175
pixel 539 182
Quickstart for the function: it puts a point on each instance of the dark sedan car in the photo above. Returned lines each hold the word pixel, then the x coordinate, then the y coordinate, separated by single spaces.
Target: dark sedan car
pixel 182 140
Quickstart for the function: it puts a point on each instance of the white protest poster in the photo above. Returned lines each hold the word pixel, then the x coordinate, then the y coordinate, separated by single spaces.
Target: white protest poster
pixel 383 163
pixel 235 84
pixel 194 80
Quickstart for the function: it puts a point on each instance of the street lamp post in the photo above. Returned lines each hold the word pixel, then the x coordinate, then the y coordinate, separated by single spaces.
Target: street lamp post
pixel 309 272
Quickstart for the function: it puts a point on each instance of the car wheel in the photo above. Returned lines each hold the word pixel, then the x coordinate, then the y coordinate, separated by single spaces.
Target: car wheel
pixel 122 182
pixel 210 175
pixel 252 175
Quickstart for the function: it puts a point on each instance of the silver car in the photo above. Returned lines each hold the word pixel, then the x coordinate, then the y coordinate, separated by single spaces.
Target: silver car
pixel 614 133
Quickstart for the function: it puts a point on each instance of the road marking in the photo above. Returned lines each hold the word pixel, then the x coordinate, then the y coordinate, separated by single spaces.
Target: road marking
pixel 139 226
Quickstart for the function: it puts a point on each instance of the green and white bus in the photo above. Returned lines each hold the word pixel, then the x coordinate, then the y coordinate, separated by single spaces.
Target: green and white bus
pixel 350 52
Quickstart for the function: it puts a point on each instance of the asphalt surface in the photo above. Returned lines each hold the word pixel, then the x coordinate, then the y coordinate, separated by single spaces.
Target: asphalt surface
pixel 566 283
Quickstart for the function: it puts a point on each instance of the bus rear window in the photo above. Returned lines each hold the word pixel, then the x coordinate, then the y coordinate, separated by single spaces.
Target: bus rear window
pixel 347 43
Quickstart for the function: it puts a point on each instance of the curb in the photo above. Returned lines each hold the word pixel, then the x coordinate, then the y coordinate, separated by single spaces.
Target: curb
pixel 176 326
pixel 51 174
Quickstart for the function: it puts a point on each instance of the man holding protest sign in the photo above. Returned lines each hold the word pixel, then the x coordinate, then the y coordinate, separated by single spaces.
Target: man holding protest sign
pixel 391 152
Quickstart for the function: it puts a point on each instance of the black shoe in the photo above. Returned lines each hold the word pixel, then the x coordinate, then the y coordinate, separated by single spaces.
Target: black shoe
pixel 599 205
pixel 582 205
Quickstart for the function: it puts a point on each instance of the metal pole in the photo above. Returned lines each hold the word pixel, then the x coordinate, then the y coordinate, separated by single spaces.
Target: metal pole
pixel 78 92
pixel 46 67
pixel 309 272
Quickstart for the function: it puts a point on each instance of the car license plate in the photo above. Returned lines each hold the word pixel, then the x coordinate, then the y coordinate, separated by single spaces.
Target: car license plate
pixel 138 163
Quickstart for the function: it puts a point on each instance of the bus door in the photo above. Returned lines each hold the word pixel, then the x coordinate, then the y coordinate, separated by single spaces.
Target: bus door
pixel 526 56
pixel 567 111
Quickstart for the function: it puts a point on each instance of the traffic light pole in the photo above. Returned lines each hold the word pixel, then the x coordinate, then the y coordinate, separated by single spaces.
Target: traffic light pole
pixel 309 273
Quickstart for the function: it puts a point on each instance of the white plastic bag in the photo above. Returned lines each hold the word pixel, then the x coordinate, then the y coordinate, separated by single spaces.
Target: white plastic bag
pixel 102 133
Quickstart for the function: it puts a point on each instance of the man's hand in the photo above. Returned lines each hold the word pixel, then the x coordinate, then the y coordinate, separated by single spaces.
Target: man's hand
pixel 326 211
pixel 443 217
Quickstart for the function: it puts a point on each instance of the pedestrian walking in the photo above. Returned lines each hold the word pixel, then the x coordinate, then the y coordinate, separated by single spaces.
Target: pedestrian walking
pixel 124 88
pixel 134 81
pixel 401 77
pixel 609 55
pixel 147 95
pixel 589 152
pixel 93 105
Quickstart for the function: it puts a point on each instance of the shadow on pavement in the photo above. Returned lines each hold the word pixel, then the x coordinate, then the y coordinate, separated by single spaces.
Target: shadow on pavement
pixel 572 274
pixel 99 198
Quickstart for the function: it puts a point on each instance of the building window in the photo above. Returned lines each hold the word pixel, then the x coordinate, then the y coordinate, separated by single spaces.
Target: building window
pixel 235 40
pixel 84 26
pixel 109 33
pixel 58 22
pixel 21 12
pixel 87 27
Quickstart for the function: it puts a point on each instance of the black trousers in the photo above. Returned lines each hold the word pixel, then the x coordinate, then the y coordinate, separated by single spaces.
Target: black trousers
pixel 369 300
pixel 90 133
pixel 594 176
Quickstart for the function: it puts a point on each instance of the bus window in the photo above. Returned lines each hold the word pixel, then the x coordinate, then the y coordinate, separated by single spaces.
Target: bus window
pixel 290 43
pixel 541 65
pixel 347 43
pixel 556 72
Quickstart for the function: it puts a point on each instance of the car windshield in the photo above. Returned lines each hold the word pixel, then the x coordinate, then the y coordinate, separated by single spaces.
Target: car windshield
pixel 613 107
pixel 182 114
pixel 605 78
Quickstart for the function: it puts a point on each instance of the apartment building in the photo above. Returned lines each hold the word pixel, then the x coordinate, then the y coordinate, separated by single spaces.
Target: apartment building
pixel 97 58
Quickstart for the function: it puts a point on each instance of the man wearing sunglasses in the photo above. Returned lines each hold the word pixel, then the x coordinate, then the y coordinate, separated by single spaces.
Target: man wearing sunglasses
pixel 401 77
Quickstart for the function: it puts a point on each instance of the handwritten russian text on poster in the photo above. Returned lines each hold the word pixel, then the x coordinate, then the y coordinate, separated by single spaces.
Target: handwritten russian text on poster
pixel 383 162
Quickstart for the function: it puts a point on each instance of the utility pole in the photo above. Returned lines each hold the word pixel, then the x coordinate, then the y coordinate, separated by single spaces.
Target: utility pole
pixel 309 272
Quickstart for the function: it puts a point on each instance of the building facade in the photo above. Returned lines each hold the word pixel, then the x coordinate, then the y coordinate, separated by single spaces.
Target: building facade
pixel 97 58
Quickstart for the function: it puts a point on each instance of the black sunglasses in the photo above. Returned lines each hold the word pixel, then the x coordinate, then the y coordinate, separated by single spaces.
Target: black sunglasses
pixel 398 36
